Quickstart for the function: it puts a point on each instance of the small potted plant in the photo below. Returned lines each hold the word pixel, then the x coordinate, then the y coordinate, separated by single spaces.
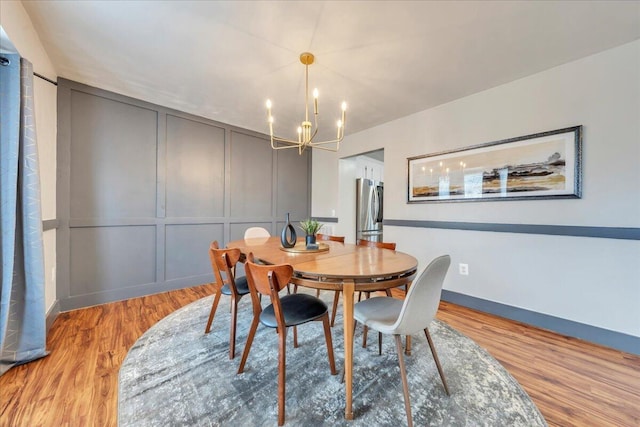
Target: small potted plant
pixel 310 227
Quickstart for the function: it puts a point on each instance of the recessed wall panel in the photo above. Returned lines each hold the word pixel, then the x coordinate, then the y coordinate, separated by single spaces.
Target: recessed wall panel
pixel 252 174
pixel 293 184
pixel 187 249
pixel 142 191
pixel 113 158
pixel 195 169
pixel 109 258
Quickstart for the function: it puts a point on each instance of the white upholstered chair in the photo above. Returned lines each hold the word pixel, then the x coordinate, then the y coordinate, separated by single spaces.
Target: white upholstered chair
pixel 252 232
pixel 396 317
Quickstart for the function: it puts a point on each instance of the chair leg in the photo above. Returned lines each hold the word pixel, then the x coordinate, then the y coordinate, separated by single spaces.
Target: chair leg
pixel 282 358
pixel 327 338
pixel 435 357
pixel 405 384
pixel 216 300
pixel 364 336
pixel 366 329
pixel 247 346
pixel 295 337
pixel 407 347
pixel 232 332
pixel 379 343
pixel 334 310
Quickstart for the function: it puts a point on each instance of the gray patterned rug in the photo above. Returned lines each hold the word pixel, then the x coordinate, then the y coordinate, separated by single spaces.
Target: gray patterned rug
pixel 175 375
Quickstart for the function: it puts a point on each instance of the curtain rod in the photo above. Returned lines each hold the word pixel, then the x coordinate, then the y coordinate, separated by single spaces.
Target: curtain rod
pixel 4 61
pixel 45 78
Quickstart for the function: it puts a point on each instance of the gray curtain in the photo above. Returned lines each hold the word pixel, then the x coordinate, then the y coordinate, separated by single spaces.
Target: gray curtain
pixel 22 305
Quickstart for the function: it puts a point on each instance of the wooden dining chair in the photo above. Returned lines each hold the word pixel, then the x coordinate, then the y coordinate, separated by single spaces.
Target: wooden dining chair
pixel 223 262
pixel 328 237
pixel 336 297
pixel 372 244
pixel 396 317
pixel 287 311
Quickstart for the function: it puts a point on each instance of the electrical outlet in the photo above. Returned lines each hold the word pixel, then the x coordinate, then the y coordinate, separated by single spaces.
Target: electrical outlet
pixel 463 269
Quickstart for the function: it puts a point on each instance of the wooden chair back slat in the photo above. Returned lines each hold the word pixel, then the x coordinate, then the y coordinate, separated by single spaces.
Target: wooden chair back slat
pixel 260 275
pixel 328 237
pixel 382 245
pixel 223 261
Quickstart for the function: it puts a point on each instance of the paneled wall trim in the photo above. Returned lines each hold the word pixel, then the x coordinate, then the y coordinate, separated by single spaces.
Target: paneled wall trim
pixel 627 233
pixel 143 190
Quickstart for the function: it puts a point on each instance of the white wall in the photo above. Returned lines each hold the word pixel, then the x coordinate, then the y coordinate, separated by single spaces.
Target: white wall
pixel 592 281
pixel 16 23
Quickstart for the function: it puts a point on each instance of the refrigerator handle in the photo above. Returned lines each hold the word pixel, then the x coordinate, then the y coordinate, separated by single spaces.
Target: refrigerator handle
pixel 378 197
pixel 373 212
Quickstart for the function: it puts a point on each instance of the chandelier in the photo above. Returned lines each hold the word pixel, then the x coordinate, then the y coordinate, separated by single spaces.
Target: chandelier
pixel 307 130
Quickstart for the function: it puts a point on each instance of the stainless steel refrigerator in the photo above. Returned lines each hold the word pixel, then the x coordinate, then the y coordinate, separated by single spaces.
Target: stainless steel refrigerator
pixel 369 198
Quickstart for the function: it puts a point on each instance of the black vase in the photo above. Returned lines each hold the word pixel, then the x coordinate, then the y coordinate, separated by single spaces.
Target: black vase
pixel 290 240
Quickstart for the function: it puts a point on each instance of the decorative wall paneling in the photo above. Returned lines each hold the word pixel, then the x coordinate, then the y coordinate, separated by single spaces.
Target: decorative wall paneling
pixel 142 191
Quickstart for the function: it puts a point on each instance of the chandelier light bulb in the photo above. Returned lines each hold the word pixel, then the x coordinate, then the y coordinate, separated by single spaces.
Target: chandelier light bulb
pixel 344 106
pixel 315 101
pixel 270 119
pixel 268 103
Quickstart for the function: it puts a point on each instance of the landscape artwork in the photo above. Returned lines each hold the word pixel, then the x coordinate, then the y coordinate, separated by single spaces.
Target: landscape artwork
pixel 544 165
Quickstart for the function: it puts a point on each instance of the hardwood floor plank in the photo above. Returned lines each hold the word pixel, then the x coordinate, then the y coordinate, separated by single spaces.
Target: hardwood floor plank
pixel 573 382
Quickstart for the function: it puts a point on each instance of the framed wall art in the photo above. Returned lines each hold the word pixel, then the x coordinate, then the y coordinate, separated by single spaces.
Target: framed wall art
pixel 541 166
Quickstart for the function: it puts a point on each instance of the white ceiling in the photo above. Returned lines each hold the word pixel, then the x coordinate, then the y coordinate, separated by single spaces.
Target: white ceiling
pixel 387 59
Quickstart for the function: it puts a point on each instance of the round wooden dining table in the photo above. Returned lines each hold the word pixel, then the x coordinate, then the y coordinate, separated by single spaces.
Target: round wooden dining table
pixel 340 267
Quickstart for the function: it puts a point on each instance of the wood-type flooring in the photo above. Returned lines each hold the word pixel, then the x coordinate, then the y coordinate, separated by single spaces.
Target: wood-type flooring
pixel 573 382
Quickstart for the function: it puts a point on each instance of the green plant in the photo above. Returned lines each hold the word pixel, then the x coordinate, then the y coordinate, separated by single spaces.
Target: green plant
pixel 310 226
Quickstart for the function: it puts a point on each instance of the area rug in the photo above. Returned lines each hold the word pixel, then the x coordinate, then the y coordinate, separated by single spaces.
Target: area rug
pixel 175 375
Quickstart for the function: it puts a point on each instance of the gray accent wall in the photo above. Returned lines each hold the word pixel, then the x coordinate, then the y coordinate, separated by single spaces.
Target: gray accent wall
pixel 143 190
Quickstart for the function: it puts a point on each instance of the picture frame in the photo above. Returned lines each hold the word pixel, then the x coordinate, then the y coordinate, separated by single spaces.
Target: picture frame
pixel 546 165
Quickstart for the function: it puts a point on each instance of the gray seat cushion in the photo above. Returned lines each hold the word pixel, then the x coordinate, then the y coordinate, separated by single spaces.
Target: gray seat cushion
pixel 379 313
